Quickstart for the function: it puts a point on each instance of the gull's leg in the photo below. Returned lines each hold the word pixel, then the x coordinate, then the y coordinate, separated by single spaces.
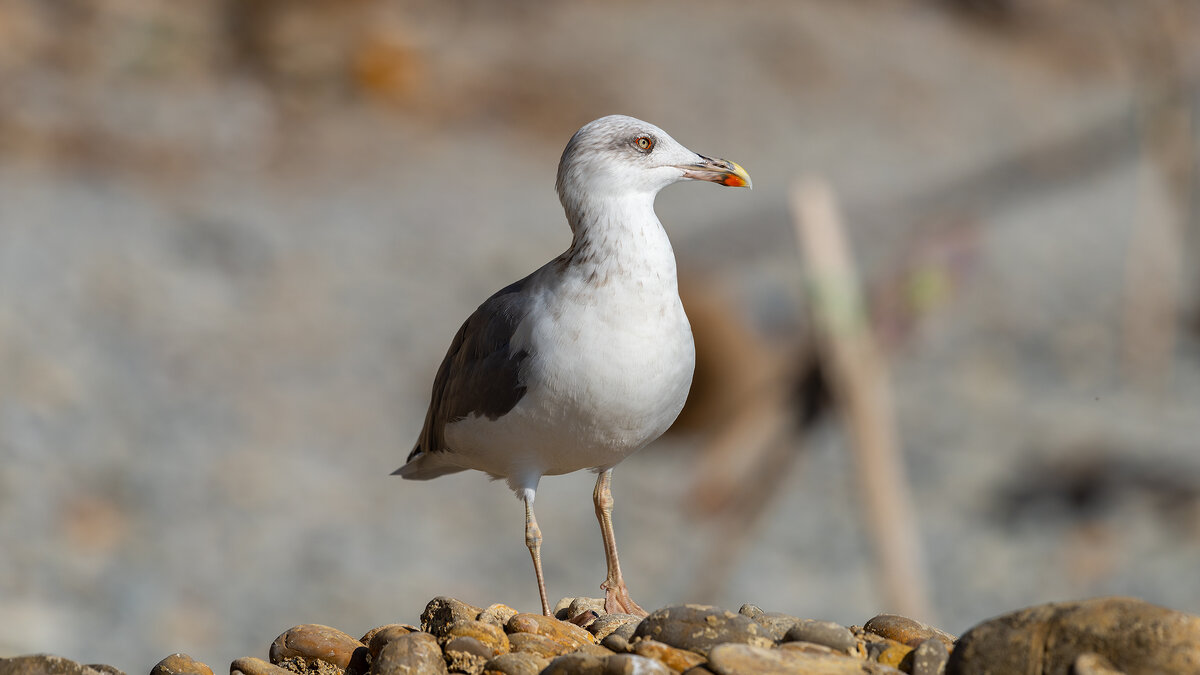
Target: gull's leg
pixel 533 541
pixel 616 596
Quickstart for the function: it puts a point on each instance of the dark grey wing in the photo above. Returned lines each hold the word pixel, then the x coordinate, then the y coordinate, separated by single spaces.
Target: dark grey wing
pixel 481 372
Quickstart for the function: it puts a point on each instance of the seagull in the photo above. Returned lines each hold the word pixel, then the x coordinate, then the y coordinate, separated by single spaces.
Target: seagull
pixel 589 358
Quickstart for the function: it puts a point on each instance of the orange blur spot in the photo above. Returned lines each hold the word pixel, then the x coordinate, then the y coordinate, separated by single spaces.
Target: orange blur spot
pixel 733 181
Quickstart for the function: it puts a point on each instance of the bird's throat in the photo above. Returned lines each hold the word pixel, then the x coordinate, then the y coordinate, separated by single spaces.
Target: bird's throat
pixel 620 237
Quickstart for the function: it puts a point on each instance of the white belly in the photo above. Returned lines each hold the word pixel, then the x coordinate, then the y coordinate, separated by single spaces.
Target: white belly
pixel 604 379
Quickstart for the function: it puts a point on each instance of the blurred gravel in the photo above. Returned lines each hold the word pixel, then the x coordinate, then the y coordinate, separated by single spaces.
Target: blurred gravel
pixel 219 321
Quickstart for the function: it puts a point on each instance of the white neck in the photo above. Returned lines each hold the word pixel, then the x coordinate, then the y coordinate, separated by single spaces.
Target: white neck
pixel 621 235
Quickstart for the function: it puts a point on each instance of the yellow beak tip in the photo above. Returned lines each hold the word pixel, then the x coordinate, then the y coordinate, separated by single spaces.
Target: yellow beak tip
pixel 739 177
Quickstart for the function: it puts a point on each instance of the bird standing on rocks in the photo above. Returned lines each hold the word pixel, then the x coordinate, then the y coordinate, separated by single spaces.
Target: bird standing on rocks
pixel 589 358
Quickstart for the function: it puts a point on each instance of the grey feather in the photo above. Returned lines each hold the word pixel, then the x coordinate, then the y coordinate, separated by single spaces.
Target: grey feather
pixel 480 375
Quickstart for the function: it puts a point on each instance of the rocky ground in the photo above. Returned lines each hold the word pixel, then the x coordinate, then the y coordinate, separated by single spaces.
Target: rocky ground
pixel 1104 636
pixel 236 238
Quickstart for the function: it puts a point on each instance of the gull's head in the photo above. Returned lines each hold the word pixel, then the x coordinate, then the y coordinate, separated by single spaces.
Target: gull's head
pixel 617 155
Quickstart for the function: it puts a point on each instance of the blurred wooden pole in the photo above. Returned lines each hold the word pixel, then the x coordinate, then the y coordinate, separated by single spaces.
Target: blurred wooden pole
pixel 859 380
pixel 1155 263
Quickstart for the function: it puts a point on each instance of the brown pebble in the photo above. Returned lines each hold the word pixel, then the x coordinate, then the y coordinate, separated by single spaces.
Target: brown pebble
pixel 491 635
pixel 409 654
pixel 400 627
pixel 468 645
pixel 386 634
pixel 598 650
pixel 888 652
pixel 826 633
pixel 516 663
pixel 605 625
pixel 627 630
pixel 701 627
pixel 743 659
pixel 617 643
pixel 672 657
pixel 777 624
pixel 105 669
pixel 497 614
pixel 580 605
pixel 251 666
pixel 466 655
pixel 180 664
pixel 43 664
pixel 313 641
pixel 809 648
pixel 561 606
pixel 1133 635
pixel 559 631
pixel 587 618
pixel 906 630
pixel 539 645
pixel 376 638
pixel 443 612
pixel 576 664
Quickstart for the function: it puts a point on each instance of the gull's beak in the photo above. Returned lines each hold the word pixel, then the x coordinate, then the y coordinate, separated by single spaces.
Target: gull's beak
pixel 720 171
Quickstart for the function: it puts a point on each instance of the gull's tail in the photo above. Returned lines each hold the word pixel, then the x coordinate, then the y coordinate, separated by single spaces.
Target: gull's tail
pixel 422 465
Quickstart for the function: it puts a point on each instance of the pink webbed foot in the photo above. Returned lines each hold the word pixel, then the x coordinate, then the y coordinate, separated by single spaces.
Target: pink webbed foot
pixel 617 600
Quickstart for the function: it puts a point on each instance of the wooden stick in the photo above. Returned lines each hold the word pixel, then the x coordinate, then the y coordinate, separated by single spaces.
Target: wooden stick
pixel 859 380
pixel 1154 272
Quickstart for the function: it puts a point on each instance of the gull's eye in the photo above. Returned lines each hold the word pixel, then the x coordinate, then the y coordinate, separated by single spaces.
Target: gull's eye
pixel 644 143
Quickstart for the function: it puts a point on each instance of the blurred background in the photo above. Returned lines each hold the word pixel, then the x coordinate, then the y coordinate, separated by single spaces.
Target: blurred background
pixel 237 236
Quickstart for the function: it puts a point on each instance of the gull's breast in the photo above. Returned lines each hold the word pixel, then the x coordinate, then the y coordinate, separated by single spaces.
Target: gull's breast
pixel 608 373
pixel 620 372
